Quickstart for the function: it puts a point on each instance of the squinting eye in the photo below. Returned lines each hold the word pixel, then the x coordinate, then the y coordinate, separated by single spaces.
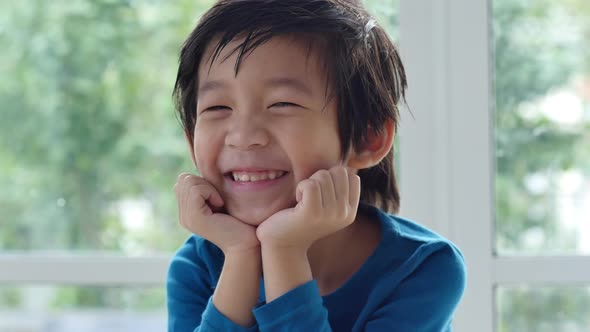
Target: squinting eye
pixel 216 108
pixel 284 104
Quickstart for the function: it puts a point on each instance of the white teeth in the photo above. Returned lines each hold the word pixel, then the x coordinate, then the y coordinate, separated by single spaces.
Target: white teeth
pixel 258 176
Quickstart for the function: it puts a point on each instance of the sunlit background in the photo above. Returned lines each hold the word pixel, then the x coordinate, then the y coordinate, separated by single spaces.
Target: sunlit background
pixel 90 148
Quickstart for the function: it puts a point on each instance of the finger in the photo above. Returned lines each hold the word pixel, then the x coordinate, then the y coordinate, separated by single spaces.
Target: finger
pixel 208 191
pixel 198 194
pixel 309 194
pixel 193 180
pixel 212 196
pixel 354 188
pixel 324 179
pixel 179 180
pixel 182 176
pixel 181 190
pixel 340 180
pixel 185 184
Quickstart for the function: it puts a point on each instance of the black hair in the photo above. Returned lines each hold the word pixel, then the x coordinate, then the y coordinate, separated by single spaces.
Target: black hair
pixel 363 66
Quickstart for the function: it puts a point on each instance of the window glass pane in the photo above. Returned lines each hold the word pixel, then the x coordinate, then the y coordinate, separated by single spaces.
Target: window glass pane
pixel 543 309
pixel 386 13
pixel 75 309
pixel 89 143
pixel 542 97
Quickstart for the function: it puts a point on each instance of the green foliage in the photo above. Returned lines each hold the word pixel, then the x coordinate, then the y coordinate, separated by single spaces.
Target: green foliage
pixel 88 120
pixel 545 309
pixel 113 298
pixel 10 298
pixel 538 49
pixel 87 123
pixel 386 13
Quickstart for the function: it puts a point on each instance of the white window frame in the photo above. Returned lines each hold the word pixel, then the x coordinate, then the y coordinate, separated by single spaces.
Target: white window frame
pixel 447 149
pixel 446 170
pixel 80 269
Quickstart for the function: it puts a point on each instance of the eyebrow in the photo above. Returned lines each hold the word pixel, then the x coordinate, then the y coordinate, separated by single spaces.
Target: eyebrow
pixel 274 82
pixel 289 82
pixel 210 86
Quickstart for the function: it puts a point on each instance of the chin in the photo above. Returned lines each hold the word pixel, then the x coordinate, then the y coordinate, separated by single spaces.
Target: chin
pixel 255 214
pixel 252 217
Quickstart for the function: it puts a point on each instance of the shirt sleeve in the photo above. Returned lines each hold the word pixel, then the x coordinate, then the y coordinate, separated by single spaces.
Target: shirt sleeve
pixel 189 296
pixel 426 300
pixel 300 309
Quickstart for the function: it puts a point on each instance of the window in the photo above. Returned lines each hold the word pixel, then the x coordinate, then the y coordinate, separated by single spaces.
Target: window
pixel 542 82
pixel 495 158
pixel 89 151
pixel 542 133
pixel 90 144
pixel 74 309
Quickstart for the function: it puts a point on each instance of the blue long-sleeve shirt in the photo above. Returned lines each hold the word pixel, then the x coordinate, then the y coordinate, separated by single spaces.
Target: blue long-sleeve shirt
pixel 413 281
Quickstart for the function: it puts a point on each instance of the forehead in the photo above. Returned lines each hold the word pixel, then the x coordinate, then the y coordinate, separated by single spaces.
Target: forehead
pixel 288 55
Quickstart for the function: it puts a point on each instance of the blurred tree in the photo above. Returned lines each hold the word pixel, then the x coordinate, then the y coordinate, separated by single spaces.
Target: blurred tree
pixel 540 46
pixel 537 49
pixel 87 120
pixel 87 124
pixel 386 13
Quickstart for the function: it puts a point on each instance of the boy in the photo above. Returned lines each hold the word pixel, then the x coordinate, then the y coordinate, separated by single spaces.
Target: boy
pixel 290 108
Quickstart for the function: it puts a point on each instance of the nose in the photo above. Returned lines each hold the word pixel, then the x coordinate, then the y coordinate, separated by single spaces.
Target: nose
pixel 247 132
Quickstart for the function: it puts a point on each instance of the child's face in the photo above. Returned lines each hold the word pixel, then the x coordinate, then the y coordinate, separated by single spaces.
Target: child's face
pixel 267 121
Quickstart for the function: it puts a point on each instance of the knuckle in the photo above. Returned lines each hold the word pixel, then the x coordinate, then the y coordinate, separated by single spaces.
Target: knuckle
pixel 338 171
pixel 320 175
pixel 194 191
pixel 325 174
pixel 315 185
pixel 346 213
pixel 306 184
pixel 181 176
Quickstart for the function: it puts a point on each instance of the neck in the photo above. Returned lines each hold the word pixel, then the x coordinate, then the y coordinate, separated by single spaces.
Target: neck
pixel 325 255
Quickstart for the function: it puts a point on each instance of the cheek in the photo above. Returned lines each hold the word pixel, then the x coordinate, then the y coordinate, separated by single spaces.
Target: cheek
pixel 205 151
pixel 314 149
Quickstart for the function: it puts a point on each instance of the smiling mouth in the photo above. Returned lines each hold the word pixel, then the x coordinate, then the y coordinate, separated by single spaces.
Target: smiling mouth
pixel 238 176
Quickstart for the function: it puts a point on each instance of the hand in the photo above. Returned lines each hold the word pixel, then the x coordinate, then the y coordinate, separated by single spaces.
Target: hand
pixel 199 209
pixel 326 203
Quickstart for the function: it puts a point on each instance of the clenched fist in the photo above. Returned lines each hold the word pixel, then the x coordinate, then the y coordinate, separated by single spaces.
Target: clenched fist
pixel 200 212
pixel 326 203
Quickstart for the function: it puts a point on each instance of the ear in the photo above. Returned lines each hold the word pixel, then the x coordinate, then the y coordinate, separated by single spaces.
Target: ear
pixel 191 147
pixel 374 149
